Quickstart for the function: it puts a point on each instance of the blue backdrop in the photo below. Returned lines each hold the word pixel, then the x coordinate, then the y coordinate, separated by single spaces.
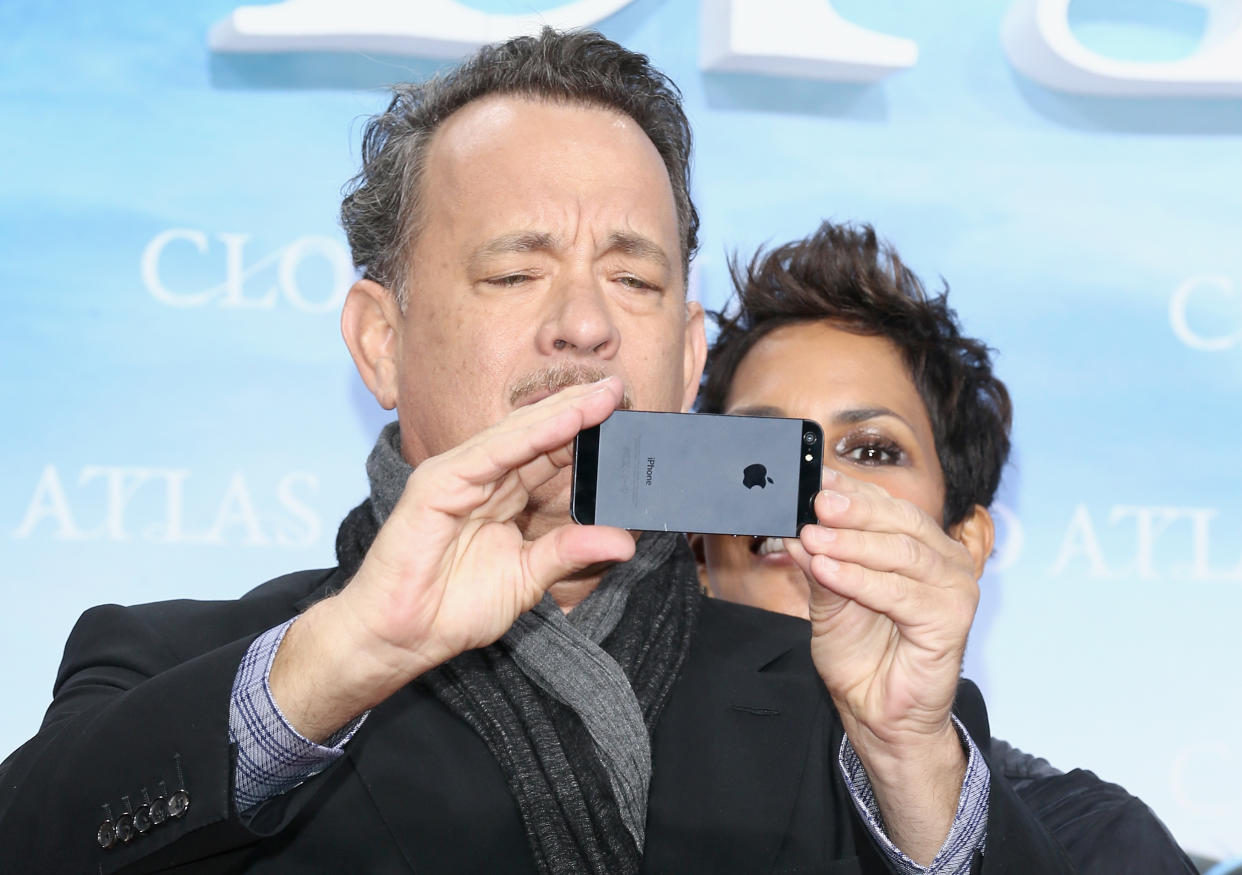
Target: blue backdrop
pixel 183 420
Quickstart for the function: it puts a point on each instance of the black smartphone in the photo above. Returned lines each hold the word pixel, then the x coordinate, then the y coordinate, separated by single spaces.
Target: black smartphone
pixel 698 472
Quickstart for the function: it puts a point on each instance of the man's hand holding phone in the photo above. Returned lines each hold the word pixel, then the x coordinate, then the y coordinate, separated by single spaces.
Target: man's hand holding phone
pixel 449 570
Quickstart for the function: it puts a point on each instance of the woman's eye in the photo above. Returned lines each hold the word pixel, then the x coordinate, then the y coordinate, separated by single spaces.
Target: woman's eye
pixel 874 454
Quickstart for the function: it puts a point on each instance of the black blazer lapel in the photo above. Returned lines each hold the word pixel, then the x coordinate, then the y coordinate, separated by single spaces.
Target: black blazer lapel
pixel 731 747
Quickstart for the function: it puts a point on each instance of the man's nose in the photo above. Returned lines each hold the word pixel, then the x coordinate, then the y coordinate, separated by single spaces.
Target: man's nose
pixel 578 320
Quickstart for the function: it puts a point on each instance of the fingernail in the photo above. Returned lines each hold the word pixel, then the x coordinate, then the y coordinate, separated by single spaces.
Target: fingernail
pixel 836 501
pixel 829 475
pixel 825 535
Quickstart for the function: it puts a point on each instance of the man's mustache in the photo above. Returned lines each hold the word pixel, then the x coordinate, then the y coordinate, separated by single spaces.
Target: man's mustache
pixel 557 377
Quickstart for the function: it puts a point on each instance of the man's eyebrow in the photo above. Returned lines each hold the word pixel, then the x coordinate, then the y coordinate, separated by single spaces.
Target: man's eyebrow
pixel 517 242
pixel 638 246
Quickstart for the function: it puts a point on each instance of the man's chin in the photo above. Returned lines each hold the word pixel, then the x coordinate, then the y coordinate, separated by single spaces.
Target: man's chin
pixel 591 571
pixel 547 508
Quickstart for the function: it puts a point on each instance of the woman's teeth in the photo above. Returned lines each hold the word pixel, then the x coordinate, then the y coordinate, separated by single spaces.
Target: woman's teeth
pixel 771 545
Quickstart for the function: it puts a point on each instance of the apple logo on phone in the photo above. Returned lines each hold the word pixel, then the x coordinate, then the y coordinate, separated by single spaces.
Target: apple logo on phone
pixel 755 475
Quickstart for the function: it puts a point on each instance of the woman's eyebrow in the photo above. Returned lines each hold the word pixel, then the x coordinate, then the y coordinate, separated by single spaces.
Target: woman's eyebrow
pixel 850 416
pixel 757 410
pixel 856 415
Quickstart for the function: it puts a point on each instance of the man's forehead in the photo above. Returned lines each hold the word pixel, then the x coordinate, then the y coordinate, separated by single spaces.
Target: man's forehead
pixel 490 123
pixel 536 161
pixel 625 242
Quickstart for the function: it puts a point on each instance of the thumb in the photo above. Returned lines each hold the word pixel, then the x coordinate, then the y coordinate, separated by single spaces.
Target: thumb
pixel 571 548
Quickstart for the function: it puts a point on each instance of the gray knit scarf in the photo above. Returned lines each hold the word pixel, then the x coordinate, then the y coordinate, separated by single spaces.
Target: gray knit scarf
pixel 565 703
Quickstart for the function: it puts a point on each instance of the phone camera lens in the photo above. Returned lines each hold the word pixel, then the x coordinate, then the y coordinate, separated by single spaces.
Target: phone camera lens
pixel 809 438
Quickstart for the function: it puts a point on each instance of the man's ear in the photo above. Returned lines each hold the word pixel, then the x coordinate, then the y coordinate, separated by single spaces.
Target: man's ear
pixel 695 351
pixel 371 326
pixel 978 534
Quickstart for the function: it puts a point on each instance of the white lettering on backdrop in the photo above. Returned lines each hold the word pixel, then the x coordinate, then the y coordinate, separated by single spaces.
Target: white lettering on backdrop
pixel 281 517
pixel 1040 45
pixel 1125 542
pixel 429 28
pixel 1199 290
pixel 806 39
pixel 1181 536
pixel 238 278
pixel 800 38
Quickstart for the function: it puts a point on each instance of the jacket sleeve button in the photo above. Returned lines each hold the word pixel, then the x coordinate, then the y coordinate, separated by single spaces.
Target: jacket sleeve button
pixel 178 804
pixel 125 828
pixel 142 819
pixel 106 835
pixel 159 810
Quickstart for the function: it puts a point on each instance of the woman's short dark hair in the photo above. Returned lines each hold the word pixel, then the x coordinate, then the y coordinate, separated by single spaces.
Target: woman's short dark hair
pixel 380 211
pixel 844 274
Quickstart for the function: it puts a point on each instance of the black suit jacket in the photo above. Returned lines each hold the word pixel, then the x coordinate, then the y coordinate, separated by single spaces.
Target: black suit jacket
pixel 745 777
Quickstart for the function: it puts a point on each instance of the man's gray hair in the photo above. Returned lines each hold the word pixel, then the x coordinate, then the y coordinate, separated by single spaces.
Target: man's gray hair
pixel 380 211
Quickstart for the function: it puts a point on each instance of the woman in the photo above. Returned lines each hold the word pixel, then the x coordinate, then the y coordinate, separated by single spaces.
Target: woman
pixel 836 329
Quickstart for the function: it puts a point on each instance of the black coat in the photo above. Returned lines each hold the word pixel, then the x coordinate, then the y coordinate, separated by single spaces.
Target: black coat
pixel 744 780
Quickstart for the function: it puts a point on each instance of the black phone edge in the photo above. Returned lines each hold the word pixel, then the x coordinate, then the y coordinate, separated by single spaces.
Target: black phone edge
pixel 810 477
pixel 585 475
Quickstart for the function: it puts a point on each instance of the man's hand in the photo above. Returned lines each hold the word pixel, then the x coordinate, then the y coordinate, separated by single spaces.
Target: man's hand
pixel 892 600
pixel 449 571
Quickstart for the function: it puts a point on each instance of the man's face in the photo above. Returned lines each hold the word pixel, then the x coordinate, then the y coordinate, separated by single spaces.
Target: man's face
pixel 875 426
pixel 547 254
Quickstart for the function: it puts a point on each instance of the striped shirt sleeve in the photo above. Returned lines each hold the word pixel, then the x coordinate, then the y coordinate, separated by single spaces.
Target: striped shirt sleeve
pixel 968 832
pixel 272 756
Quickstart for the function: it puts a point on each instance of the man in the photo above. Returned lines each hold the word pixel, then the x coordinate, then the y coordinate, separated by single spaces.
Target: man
pixel 481 685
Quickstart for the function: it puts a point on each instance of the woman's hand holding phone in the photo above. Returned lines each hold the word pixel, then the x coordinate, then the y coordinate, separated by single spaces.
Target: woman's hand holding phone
pixel 892 601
